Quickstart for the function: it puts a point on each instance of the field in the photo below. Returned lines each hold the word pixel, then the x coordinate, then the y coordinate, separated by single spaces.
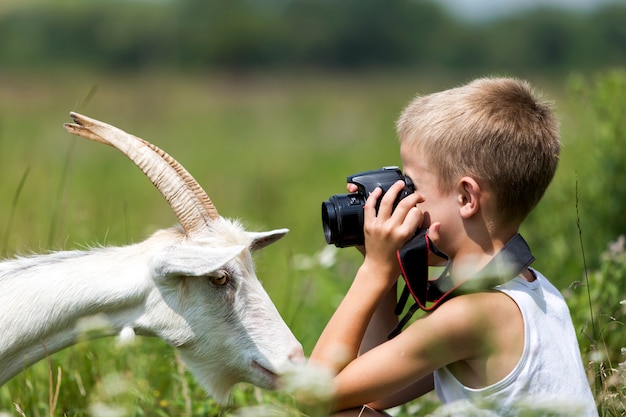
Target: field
pixel 267 149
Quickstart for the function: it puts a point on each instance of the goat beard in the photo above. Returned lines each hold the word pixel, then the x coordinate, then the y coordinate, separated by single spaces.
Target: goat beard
pixel 215 378
pixel 218 378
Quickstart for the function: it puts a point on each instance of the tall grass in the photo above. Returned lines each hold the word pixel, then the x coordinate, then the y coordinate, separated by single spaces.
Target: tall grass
pixel 267 149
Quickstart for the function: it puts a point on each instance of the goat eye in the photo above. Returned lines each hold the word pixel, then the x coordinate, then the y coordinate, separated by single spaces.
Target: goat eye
pixel 219 278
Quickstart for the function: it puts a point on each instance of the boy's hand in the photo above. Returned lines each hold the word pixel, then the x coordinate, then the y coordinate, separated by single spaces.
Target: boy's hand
pixel 389 229
pixel 433 234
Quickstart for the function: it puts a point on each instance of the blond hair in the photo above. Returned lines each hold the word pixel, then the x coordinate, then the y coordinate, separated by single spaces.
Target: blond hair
pixel 492 129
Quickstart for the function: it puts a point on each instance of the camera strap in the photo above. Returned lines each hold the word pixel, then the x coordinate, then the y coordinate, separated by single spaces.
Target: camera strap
pixel 428 294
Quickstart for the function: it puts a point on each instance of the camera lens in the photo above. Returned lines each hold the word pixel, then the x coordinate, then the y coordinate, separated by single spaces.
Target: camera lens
pixel 342 219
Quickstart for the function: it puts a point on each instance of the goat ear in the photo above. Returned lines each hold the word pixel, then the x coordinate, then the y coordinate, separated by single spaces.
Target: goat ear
pixel 262 239
pixel 194 260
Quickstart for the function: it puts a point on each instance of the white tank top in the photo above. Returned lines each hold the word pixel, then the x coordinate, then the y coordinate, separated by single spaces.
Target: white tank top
pixel 549 374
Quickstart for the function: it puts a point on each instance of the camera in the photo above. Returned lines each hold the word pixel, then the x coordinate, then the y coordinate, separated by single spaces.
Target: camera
pixel 342 214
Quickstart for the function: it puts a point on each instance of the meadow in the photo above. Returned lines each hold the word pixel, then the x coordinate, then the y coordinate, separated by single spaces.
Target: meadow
pixel 268 149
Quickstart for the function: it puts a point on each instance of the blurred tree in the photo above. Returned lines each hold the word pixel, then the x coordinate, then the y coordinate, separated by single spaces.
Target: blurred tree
pixel 589 190
pixel 322 34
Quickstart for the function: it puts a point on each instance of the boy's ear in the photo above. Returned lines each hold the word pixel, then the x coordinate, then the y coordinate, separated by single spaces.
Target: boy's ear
pixel 469 197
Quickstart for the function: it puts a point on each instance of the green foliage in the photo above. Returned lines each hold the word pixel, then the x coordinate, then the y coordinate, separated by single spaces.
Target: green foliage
pixel 269 149
pixel 589 190
pixel 602 172
pixel 598 307
pixel 351 34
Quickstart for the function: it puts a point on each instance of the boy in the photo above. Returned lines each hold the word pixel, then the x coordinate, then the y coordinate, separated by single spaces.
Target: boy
pixel 480 157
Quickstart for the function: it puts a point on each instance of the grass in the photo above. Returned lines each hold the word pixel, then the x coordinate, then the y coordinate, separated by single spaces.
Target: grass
pixel 267 149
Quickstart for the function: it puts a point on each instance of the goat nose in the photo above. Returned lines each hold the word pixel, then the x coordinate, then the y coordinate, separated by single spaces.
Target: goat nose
pixel 296 355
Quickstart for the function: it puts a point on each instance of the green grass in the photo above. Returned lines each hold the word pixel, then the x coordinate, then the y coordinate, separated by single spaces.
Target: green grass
pixel 267 149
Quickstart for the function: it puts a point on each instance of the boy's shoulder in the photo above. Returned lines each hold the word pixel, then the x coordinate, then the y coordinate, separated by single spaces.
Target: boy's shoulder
pixel 477 309
pixel 483 329
pixel 475 319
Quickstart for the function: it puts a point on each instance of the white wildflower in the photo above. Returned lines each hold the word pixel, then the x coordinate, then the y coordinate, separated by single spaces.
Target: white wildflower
pixel 308 384
pixel 327 257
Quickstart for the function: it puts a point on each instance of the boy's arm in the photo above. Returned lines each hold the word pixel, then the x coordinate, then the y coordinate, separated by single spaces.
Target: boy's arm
pixel 338 346
pixel 341 339
pixel 383 321
pixel 413 391
pixel 385 230
pixel 401 369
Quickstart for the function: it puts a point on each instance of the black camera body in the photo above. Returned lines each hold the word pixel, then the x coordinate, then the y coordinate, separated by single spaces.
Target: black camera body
pixel 342 214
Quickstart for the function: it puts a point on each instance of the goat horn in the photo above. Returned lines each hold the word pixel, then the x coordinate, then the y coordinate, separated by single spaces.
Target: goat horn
pixel 190 203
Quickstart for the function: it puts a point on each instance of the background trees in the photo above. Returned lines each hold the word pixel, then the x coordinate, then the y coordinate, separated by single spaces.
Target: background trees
pixel 311 34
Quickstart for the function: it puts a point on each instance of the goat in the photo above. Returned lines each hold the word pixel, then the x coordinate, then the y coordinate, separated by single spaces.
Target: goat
pixel 193 286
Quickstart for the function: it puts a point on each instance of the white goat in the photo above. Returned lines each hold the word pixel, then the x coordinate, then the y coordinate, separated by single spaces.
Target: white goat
pixel 195 286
